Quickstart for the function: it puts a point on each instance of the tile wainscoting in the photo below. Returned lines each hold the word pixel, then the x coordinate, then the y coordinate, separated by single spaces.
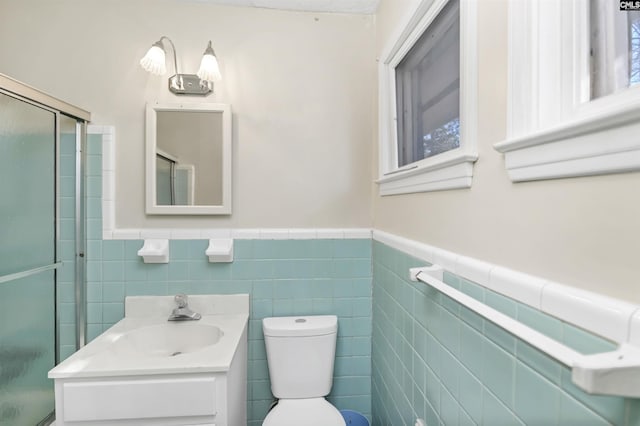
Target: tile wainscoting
pixel 282 277
pixel 435 359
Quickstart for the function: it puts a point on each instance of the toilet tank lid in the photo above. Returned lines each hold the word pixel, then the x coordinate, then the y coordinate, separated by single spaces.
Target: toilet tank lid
pixel 317 325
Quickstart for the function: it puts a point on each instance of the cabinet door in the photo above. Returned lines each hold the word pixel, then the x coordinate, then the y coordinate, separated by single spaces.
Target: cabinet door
pixel 111 400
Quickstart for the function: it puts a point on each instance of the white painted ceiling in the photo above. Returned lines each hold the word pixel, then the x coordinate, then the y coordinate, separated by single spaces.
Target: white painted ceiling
pixel 335 6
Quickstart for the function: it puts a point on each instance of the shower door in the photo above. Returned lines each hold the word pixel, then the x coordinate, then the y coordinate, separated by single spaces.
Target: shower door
pixel 29 258
pixel 165 181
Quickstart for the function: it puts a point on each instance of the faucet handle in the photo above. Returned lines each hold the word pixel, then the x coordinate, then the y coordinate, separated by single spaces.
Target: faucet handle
pixel 181 300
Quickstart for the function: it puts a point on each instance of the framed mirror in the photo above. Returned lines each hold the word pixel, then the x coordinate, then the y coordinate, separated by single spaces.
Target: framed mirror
pixel 188 159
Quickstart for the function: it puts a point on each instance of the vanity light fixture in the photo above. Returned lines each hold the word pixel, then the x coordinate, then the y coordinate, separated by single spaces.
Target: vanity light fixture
pixel 183 84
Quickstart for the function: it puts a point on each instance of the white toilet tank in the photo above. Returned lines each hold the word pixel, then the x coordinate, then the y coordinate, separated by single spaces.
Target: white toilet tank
pixel 300 355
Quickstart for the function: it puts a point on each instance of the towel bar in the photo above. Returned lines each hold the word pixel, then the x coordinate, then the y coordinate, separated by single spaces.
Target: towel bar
pixel 608 373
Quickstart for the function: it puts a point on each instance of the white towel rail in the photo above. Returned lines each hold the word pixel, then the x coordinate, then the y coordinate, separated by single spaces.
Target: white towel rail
pixel 608 373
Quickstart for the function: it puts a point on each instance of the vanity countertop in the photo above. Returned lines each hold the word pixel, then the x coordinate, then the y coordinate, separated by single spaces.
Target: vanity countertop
pixel 125 350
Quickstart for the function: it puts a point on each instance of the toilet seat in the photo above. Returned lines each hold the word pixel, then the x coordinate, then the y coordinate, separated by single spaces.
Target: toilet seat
pixel 307 412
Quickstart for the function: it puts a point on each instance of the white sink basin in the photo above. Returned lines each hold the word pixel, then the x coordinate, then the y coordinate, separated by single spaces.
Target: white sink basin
pixel 170 339
pixel 145 343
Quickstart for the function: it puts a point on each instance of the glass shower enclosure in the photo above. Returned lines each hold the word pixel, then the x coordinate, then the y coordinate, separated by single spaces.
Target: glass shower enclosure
pixel 41 247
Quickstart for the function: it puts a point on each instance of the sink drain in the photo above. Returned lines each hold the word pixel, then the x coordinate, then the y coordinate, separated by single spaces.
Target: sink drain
pixel 176 353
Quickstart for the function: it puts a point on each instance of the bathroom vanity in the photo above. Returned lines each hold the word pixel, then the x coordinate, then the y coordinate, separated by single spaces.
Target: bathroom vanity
pixel 146 370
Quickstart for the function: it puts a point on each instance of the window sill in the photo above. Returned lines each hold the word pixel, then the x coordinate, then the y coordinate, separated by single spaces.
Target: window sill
pixel 591 145
pixel 455 173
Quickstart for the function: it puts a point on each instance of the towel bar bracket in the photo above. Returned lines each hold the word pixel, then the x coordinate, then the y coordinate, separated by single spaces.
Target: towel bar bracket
pixel 609 373
pixel 435 271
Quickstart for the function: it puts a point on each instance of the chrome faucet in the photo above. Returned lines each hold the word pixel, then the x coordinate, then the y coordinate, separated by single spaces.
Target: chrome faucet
pixel 183 312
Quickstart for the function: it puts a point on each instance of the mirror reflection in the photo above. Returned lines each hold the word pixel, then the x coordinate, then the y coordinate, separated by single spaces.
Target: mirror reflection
pixel 188 159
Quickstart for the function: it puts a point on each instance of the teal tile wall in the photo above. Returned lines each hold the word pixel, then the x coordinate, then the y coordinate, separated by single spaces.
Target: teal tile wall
pixel 433 358
pixel 290 277
pixel 283 277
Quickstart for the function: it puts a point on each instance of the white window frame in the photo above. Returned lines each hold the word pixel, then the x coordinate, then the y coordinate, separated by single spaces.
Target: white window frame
pixel 554 130
pixel 452 169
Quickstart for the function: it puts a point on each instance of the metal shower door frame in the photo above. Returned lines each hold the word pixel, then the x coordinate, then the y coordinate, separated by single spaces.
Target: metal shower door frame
pixel 37 98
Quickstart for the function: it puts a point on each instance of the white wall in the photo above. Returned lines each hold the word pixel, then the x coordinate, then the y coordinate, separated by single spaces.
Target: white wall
pixel 300 85
pixel 584 232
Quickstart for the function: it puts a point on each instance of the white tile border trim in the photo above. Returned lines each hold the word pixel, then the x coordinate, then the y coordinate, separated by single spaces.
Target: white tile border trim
pixel 239 234
pixel 610 318
pixel 603 315
pixel 108 176
pixel 528 289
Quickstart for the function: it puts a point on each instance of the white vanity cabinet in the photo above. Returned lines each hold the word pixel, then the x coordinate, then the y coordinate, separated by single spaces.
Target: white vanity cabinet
pixel 123 379
pixel 192 399
pixel 158 400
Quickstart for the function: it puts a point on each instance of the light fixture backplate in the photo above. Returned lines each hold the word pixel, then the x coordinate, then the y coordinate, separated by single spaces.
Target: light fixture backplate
pixel 191 85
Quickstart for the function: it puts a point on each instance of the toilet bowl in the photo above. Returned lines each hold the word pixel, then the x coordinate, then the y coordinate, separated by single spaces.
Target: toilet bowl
pixel 307 412
pixel 300 357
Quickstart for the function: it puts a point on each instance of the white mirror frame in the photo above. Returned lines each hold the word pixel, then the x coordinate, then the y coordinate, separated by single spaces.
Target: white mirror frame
pixel 150 160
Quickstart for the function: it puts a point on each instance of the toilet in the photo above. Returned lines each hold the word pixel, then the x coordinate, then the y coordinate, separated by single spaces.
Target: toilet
pixel 300 356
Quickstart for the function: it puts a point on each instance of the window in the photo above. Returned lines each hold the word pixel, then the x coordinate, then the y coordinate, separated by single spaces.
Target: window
pixel 615 48
pixel 574 92
pixel 428 101
pixel 428 91
pixel 634 41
